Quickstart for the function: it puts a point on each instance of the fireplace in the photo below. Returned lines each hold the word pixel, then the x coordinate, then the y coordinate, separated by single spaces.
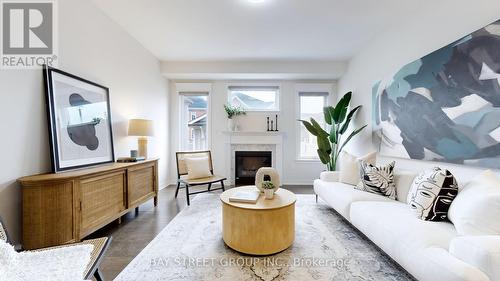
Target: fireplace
pixel 247 163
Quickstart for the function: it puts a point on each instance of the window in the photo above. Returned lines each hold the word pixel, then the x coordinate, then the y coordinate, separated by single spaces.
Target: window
pixel 255 98
pixel 311 104
pixel 193 121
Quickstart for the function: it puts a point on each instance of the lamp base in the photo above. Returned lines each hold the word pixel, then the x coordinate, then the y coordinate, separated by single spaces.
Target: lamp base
pixel 142 145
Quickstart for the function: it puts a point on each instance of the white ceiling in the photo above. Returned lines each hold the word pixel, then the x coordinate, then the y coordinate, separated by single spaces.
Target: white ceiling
pixel 236 30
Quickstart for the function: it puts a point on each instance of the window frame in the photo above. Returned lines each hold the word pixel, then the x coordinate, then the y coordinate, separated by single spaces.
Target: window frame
pixel 194 89
pixel 325 90
pixel 257 86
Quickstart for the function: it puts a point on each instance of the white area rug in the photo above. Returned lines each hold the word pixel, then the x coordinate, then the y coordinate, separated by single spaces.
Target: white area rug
pixel 326 247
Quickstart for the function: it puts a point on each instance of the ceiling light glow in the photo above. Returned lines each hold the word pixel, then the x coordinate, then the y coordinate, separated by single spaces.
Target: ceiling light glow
pixel 256 1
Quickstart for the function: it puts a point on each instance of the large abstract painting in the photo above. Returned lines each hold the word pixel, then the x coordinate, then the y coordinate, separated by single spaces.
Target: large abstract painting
pixel 445 106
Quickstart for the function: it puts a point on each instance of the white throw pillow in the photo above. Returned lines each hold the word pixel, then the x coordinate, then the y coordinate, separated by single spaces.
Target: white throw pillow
pixel 476 209
pixel 66 263
pixel 349 166
pixel 198 167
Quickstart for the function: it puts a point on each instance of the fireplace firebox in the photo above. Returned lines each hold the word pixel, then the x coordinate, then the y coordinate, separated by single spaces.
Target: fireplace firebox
pixel 247 163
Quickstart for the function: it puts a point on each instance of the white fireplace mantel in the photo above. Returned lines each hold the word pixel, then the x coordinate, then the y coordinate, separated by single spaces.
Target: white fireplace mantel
pixel 253 141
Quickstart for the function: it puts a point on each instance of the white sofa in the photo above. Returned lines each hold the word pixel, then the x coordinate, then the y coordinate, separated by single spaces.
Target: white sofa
pixel 429 251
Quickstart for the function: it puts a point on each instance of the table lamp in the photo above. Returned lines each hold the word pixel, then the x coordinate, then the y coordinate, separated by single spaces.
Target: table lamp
pixel 142 128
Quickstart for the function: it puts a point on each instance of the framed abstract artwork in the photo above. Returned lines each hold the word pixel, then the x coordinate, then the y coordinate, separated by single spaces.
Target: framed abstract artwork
pixel 445 106
pixel 79 118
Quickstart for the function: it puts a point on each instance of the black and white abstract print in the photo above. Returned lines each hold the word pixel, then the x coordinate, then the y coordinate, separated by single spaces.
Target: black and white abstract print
pixel 432 193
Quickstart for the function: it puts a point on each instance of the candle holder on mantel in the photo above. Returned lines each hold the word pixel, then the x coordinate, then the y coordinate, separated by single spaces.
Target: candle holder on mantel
pixel 272 125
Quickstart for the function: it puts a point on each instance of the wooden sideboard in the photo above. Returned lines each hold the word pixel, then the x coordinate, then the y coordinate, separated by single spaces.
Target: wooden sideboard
pixel 66 207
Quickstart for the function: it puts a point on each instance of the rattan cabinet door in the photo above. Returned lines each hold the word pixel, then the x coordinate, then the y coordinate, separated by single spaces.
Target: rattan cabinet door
pixel 102 200
pixel 141 184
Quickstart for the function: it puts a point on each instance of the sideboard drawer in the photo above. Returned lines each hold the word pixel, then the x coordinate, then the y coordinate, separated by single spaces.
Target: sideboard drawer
pixel 102 199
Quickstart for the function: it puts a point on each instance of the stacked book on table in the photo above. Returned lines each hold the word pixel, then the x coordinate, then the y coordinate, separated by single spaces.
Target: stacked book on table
pixel 245 197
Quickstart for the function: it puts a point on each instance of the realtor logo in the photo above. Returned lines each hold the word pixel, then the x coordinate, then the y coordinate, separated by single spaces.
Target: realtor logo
pixel 28 37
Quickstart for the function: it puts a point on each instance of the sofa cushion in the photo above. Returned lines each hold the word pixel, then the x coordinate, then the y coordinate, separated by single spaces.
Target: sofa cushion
pixel 482 252
pixel 349 166
pixel 378 180
pixel 476 209
pixel 394 228
pixel 434 263
pixel 403 181
pixel 431 194
pixel 340 195
pixel 329 176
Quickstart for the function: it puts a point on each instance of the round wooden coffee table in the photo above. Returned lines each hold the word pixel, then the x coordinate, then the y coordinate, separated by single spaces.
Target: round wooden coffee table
pixel 264 228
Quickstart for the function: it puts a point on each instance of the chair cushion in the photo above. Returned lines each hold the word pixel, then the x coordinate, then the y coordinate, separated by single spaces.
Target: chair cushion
pixel 394 228
pixel 198 167
pixel 206 180
pixel 65 263
pixel 340 195
pixel 431 194
pixel 349 166
pixel 476 209
pixel 99 245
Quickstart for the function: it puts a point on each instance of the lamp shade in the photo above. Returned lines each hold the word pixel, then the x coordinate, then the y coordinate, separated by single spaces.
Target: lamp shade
pixel 140 127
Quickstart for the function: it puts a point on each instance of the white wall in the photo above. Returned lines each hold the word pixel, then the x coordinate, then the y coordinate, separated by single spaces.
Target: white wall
pixel 295 172
pixel 253 70
pixel 93 47
pixel 423 32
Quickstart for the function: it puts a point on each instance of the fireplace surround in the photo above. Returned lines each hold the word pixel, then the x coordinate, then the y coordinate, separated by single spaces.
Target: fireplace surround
pixel 253 141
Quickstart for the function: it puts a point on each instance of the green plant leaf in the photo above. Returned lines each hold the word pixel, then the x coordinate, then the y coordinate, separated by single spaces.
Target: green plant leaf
pixel 353 133
pixel 340 110
pixel 309 127
pixel 318 128
pixel 333 134
pixel 328 117
pixel 324 144
pixel 323 156
pixel 348 119
pixel 342 114
pixel 331 109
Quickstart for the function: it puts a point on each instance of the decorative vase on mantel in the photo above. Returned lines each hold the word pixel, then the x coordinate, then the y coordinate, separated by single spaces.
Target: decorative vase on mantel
pixel 232 112
pixel 231 124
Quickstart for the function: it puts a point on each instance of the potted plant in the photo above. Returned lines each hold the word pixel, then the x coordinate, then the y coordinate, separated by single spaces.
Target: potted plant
pixel 331 141
pixel 233 111
pixel 268 189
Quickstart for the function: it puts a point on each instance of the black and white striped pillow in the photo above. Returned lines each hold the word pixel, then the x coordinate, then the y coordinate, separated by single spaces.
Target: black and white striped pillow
pixel 378 180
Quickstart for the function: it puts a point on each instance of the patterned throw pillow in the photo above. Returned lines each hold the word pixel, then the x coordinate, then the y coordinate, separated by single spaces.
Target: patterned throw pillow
pixel 431 194
pixel 379 180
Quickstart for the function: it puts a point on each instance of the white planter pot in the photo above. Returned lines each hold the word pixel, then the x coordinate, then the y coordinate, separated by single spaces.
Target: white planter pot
pixel 231 124
pixel 269 193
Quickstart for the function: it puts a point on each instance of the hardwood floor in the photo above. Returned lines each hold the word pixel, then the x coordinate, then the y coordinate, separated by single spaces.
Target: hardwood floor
pixel 138 229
